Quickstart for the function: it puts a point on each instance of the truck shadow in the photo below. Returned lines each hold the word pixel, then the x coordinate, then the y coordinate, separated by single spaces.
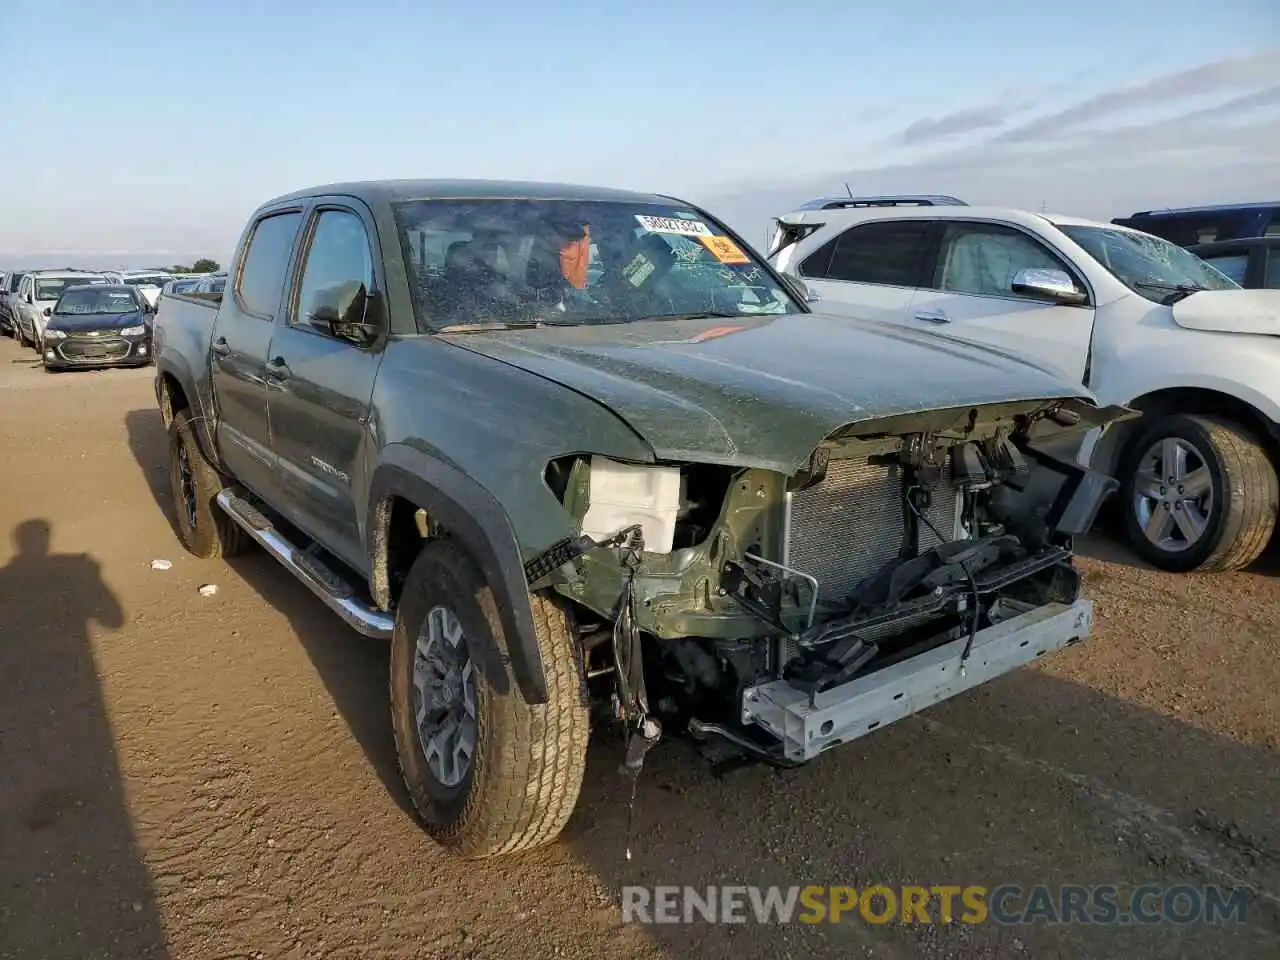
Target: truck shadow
pixel 73 882
pixel 354 669
pixel 1031 780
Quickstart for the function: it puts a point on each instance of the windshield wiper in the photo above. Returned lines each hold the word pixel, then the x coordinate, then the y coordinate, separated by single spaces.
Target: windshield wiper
pixel 701 315
pixel 1177 291
pixel 489 325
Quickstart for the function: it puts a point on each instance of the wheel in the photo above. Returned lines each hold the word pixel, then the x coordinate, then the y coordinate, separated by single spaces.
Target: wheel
pixel 1198 493
pixel 204 529
pixel 488 773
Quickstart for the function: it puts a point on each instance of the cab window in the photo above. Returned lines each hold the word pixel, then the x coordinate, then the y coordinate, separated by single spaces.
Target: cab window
pixel 338 253
pixel 265 261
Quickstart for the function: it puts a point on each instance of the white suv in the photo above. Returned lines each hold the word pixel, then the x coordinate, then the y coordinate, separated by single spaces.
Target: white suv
pixel 1139 320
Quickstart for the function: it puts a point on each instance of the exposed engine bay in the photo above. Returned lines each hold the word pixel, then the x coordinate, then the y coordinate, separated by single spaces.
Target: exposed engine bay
pixel 780 615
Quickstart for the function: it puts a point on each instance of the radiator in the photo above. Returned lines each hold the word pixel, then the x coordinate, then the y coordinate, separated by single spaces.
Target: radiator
pixel 849 526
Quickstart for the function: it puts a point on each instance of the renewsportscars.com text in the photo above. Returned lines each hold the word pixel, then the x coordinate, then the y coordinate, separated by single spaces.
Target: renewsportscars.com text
pixel 880 904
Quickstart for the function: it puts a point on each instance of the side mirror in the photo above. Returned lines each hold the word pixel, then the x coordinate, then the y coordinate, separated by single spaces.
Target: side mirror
pixel 800 288
pixel 1055 285
pixel 341 310
pixel 48 311
pixel 29 299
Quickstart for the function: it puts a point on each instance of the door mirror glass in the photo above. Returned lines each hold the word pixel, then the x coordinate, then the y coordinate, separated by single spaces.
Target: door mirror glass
pixel 1055 285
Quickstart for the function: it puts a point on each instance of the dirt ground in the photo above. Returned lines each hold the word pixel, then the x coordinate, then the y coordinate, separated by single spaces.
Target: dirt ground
pixel 185 776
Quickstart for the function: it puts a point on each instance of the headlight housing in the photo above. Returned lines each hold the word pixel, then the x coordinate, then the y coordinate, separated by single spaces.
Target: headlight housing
pixel 54 334
pixel 137 331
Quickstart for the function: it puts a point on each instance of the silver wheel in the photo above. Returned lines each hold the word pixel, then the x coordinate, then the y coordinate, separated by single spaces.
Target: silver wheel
pixel 1173 494
pixel 444 697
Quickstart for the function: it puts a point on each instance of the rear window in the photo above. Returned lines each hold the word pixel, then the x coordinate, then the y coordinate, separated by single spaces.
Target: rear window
pixel 265 261
pixel 50 288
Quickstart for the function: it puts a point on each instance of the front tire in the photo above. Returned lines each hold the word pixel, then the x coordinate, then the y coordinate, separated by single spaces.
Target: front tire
pixel 204 529
pixel 1199 493
pixel 488 773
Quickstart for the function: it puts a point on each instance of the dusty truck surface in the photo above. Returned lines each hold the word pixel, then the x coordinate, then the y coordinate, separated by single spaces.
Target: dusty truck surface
pixel 584 457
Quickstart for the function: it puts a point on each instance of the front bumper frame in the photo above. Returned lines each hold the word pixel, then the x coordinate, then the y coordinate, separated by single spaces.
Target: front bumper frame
pixel 806 727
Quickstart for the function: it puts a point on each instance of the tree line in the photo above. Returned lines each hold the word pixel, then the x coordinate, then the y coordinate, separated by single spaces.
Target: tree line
pixel 203 265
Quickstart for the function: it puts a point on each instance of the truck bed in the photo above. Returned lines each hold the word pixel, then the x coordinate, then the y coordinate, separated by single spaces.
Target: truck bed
pixel 182 329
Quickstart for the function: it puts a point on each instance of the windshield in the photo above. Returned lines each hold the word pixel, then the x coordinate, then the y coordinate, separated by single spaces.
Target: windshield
pixel 1147 265
pixel 572 262
pixel 152 280
pixel 51 288
pixel 81 301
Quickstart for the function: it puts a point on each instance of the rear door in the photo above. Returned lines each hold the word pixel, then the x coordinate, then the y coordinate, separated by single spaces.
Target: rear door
pixel 241 338
pixel 319 386
pixel 870 270
pixel 969 295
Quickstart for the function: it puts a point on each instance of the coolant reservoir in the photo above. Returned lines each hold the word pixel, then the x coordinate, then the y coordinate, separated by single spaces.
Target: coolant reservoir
pixel 623 495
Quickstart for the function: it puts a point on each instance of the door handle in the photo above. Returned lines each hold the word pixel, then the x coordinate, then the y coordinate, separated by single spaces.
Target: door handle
pixel 933 316
pixel 221 347
pixel 277 369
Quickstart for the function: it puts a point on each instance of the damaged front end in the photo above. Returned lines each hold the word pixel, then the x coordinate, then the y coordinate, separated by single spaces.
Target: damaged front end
pixel 910 558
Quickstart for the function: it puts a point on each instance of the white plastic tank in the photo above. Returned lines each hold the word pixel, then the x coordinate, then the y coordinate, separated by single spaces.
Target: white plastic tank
pixel 623 495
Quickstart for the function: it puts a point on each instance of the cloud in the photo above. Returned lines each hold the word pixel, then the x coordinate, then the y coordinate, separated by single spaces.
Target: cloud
pixel 1163 146
pixel 954 124
pixel 1231 73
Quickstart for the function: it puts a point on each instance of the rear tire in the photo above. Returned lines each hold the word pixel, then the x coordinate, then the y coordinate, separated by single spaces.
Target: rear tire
pixel 202 526
pixel 518 787
pixel 1237 500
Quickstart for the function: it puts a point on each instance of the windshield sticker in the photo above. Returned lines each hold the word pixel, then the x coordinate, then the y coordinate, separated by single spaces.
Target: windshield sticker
pixel 684 228
pixel 724 249
pixel 638 270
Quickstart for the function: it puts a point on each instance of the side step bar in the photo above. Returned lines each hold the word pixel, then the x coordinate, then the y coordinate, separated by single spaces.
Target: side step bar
pixel 337 594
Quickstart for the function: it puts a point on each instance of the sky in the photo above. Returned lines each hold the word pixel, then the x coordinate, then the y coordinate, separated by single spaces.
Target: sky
pixel 140 132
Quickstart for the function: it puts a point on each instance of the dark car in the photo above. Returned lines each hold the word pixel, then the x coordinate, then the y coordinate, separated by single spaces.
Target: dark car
pixel 1253 262
pixel 98 326
pixel 1188 226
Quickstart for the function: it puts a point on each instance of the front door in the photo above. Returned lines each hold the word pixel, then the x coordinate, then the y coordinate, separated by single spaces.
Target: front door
pixel 320 387
pixel 238 353
pixel 970 295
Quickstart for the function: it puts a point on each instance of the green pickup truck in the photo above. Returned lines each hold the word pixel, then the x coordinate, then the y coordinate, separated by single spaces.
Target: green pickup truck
pixel 584 457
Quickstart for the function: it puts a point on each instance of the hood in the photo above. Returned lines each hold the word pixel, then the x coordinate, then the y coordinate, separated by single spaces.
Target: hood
pixel 1230 311
pixel 94 321
pixel 764 391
